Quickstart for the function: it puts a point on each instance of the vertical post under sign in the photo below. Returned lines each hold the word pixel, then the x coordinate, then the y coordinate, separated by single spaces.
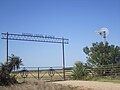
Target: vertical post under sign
pixel 38 73
pixel 7 48
pixel 63 59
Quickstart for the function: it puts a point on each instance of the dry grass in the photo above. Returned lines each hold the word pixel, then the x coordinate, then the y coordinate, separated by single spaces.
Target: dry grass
pixel 32 84
pixel 40 85
pixel 91 85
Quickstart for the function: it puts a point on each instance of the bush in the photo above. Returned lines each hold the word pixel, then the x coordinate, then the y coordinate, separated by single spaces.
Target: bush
pixel 79 71
pixel 6 69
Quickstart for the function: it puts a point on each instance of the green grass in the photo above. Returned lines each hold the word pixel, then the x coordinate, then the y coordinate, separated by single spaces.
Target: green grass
pixel 106 79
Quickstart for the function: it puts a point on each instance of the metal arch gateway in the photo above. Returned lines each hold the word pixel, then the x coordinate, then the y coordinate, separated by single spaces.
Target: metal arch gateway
pixel 36 38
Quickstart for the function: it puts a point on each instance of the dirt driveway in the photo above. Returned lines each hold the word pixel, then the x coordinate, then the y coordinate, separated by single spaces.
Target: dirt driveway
pixel 90 85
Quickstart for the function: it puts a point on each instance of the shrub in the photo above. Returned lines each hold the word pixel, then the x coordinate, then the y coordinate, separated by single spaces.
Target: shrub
pixel 6 69
pixel 79 71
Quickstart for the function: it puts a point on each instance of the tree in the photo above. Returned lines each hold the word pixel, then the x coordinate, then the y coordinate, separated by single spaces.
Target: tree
pixel 79 71
pixel 102 54
pixel 14 62
pixel 115 54
pixel 6 69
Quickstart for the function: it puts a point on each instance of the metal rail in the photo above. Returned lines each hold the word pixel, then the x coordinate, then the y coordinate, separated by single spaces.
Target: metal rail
pixel 35 38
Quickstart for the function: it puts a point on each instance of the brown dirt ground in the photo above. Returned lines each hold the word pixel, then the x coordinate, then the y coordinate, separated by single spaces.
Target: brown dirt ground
pixel 90 85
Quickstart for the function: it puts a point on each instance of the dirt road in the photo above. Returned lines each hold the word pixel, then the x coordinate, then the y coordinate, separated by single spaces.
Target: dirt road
pixel 90 85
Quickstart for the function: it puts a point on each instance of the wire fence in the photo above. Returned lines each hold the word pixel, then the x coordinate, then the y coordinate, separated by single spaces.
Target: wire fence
pixel 106 70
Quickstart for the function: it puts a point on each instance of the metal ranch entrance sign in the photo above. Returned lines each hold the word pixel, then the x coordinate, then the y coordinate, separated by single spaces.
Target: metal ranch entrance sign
pixel 36 38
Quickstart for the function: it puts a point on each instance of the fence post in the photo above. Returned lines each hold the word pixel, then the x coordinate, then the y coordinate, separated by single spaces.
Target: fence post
pixel 38 73
pixel 7 47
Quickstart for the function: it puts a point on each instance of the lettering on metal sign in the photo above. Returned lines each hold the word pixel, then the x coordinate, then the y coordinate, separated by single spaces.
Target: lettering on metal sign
pixel 38 35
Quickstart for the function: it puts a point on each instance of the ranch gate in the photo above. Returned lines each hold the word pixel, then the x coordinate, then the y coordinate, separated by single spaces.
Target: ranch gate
pixel 37 38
